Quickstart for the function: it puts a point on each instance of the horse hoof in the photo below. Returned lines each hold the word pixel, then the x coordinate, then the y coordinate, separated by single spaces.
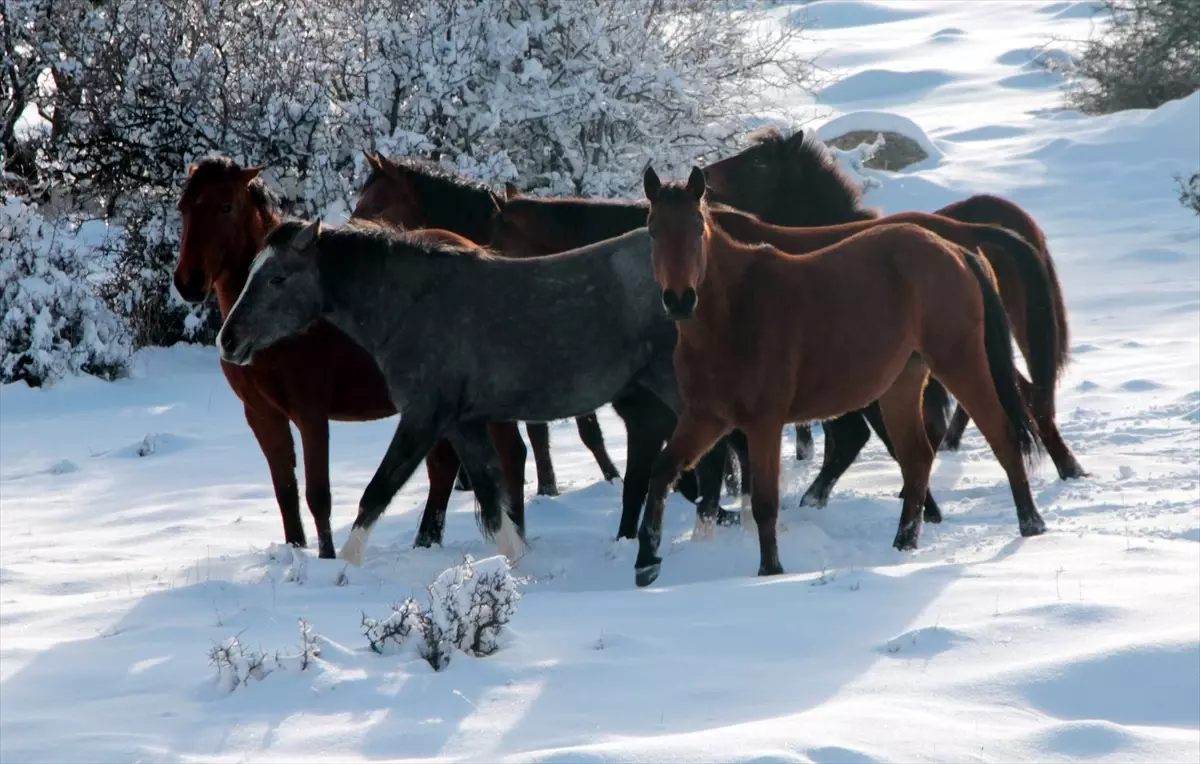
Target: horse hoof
pixel 645 576
pixel 611 476
pixel 771 569
pixel 933 516
pixel 906 538
pixel 804 453
pixel 950 444
pixel 1033 527
pixel 813 498
pixel 727 518
pixel 548 489
pixel 425 541
pixel 1073 472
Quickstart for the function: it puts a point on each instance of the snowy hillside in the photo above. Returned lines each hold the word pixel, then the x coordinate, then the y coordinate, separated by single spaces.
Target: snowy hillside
pixel 138 521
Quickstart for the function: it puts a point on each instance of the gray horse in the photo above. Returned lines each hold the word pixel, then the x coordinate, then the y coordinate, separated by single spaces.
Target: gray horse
pixel 464 337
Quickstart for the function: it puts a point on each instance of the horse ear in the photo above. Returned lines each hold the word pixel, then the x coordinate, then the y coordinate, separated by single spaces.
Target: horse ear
pixel 497 200
pixel 796 138
pixel 374 160
pixel 510 191
pixel 651 183
pixel 695 184
pixel 250 173
pixel 192 168
pixel 307 237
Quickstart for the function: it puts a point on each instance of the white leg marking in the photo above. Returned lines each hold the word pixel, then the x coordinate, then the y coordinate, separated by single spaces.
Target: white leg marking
pixel 748 523
pixel 352 550
pixel 508 540
pixel 703 530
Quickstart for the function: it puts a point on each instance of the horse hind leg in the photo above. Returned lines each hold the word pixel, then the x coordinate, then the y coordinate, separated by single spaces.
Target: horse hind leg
pixel 593 437
pixel 477 451
pixel 900 408
pixel 1041 405
pixel 845 437
pixel 441 464
pixel 539 441
pixel 874 417
pixel 510 449
pixel 274 435
pixel 804 443
pixel 314 439
pixel 958 425
pixel 967 377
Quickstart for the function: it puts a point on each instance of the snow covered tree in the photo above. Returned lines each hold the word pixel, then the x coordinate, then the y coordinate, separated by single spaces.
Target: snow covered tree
pixel 52 323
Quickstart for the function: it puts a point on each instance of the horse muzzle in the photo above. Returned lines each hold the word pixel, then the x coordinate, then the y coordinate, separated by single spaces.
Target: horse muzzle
pixel 680 305
pixel 234 349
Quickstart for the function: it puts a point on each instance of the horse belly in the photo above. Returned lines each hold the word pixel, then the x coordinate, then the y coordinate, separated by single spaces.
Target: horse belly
pixel 835 385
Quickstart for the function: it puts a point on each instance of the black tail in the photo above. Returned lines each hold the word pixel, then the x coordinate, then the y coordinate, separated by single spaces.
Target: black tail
pixel 1041 320
pixel 997 341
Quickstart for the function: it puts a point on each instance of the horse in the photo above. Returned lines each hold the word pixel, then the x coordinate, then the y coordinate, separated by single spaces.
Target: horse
pixel 308 380
pixel 767 338
pixel 463 337
pixel 530 223
pixel 411 193
pixel 794 181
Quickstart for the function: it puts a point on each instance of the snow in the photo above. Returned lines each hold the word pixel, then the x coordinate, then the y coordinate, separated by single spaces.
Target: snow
pixel 137 525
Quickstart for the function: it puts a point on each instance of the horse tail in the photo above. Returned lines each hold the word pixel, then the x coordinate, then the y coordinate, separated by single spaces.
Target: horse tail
pixel 997 342
pixel 1041 320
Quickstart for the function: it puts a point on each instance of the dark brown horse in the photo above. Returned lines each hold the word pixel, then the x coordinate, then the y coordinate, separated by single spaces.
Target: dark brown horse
pixel 794 181
pixel 411 194
pixel 307 380
pixel 767 338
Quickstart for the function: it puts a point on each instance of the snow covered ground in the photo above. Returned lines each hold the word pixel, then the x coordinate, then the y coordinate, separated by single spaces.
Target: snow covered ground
pixel 137 522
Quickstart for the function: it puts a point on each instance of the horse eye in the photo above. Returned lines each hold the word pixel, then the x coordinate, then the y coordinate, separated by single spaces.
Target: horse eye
pixel 226 208
pixel 275 280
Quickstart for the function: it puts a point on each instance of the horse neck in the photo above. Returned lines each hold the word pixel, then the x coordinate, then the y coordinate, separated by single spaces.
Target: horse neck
pixel 719 293
pixel 230 286
pixel 465 211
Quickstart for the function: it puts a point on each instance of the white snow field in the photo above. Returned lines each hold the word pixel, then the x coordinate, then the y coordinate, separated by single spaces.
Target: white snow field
pixel 138 522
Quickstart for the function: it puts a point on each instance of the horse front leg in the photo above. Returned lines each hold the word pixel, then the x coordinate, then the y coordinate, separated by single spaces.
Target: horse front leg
pixel 273 432
pixel 419 429
pixel 314 439
pixel 593 437
pixel 694 435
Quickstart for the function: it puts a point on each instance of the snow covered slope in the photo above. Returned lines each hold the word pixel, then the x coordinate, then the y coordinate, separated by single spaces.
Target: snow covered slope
pixel 137 520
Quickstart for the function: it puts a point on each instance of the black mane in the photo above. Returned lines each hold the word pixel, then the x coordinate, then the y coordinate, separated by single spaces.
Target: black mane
pixel 448 200
pixel 810 175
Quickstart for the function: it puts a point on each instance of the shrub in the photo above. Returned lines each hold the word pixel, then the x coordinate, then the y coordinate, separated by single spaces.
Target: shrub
pixel 1189 192
pixel 52 323
pixel 1148 54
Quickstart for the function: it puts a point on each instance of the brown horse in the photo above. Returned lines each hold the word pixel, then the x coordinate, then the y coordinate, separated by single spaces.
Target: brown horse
pixel 308 380
pixel 794 181
pixel 767 338
pixel 411 194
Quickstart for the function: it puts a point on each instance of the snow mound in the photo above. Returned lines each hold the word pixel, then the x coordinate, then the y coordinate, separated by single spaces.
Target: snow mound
pixel 884 121
pixel 884 86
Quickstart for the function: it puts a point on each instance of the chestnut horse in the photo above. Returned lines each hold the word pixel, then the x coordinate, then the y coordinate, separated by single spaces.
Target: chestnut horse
pixel 411 194
pixel 309 379
pixel 794 181
pixel 767 338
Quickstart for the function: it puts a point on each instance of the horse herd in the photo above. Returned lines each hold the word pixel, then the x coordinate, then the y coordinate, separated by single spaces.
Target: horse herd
pixel 757 292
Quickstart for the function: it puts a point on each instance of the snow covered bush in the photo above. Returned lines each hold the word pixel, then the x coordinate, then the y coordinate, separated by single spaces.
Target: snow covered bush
pixel 1147 54
pixel 467 609
pixel 237 664
pixel 52 322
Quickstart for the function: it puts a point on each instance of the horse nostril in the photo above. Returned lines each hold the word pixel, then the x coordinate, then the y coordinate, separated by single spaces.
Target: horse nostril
pixel 687 303
pixel 669 300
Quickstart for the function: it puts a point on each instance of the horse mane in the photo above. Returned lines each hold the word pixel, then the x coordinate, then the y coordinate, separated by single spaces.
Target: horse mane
pixel 216 168
pixel 813 174
pixel 377 239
